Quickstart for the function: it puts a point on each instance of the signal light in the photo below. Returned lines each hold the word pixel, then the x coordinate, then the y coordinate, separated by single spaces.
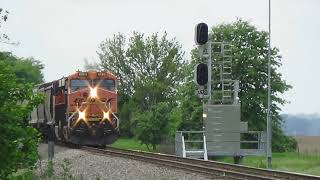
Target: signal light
pixel 201 34
pixel 202 74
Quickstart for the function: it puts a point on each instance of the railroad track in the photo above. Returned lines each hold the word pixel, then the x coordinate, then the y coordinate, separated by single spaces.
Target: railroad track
pixel 208 168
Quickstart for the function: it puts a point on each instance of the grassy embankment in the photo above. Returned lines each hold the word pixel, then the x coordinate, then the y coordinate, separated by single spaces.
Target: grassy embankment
pixel 293 162
pixel 288 161
pixel 130 144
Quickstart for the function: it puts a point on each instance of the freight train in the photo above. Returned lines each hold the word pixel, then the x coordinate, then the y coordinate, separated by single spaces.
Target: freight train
pixel 80 109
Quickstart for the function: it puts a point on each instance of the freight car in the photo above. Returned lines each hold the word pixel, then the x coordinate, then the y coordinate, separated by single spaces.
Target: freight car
pixel 81 108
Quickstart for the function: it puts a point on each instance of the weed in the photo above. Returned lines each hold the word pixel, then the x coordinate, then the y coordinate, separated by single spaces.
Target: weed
pixel 50 170
pixel 23 174
pixel 66 174
pixel 262 164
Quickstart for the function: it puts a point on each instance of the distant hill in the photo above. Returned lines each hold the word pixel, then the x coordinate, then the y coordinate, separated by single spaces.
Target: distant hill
pixel 301 125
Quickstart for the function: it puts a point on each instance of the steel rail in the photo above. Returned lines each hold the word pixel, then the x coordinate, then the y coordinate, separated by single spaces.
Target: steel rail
pixel 208 168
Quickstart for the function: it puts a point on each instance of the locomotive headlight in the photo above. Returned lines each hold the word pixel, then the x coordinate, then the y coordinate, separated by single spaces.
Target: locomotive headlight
pixel 82 115
pixel 106 115
pixel 93 92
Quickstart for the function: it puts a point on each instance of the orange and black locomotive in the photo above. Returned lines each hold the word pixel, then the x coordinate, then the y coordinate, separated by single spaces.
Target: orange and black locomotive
pixel 81 108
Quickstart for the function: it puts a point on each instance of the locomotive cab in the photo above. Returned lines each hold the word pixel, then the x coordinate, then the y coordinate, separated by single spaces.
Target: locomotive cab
pixel 92 108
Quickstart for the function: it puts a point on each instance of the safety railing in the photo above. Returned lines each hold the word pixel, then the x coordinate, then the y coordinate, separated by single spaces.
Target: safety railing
pixel 197 143
pixel 191 144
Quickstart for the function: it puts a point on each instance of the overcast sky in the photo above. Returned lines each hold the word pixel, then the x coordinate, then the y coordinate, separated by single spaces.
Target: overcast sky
pixel 61 33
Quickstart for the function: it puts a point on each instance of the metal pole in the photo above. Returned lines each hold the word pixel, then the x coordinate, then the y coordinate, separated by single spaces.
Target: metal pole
pixel 205 153
pixel 209 70
pixel 183 147
pixel 235 92
pixel 269 127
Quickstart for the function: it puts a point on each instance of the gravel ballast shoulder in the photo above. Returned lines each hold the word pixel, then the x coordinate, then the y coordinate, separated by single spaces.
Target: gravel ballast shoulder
pixel 84 165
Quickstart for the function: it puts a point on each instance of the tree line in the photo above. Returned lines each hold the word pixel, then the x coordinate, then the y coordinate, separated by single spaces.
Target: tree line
pixel 156 89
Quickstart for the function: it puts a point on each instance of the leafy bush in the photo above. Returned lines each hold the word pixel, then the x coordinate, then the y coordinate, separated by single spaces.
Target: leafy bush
pixel 18 140
pixel 152 125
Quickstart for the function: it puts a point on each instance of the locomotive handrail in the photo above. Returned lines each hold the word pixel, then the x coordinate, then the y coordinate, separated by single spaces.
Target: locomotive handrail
pixel 69 119
pixel 117 120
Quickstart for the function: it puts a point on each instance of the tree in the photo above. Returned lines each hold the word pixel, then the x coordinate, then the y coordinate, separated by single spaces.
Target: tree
pixel 4 38
pixel 149 62
pixel 249 66
pixel 26 70
pixel 189 104
pixel 150 69
pixel 3 18
pixel 112 55
pixel 91 66
pixel 18 140
pixel 154 125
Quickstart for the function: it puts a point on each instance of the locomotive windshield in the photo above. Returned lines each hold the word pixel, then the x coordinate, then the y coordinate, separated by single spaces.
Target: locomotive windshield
pixel 107 84
pixel 78 84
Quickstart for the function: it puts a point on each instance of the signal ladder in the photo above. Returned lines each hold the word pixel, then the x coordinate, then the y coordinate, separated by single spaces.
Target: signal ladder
pixel 223 59
pixel 226 74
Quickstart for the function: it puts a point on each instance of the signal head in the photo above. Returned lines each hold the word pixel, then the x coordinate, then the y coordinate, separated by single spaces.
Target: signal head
pixel 201 74
pixel 201 34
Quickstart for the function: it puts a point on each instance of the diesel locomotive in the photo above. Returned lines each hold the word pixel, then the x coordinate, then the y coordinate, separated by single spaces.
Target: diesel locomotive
pixel 80 108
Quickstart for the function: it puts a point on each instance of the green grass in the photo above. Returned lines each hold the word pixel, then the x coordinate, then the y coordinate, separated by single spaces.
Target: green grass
pixel 130 144
pixel 289 161
pixel 23 174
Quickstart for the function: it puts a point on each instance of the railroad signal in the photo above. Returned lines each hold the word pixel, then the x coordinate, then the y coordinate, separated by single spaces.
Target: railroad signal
pixel 201 75
pixel 201 34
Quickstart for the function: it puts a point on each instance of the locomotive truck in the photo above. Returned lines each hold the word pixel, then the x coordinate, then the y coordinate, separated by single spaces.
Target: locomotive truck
pixel 81 108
